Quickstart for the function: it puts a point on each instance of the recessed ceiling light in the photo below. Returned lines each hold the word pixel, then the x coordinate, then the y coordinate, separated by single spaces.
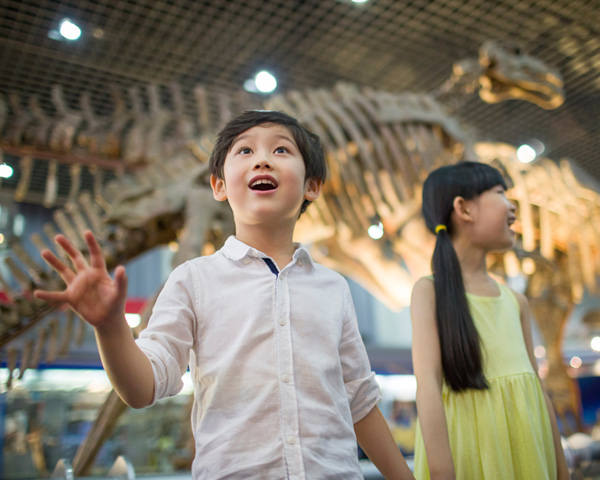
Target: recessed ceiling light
pixel 265 82
pixel 69 30
pixel 375 231
pixel 526 154
pixel 6 171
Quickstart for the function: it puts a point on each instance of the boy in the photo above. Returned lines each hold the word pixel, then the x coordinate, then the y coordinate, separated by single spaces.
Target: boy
pixel 282 383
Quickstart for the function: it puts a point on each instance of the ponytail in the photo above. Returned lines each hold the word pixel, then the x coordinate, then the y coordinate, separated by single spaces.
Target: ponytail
pixel 460 345
pixel 459 340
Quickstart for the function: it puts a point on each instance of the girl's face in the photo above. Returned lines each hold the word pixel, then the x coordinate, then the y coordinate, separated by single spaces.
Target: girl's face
pixel 493 215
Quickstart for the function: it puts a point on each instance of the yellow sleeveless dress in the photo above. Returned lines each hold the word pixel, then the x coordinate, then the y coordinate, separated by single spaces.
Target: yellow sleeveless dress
pixel 503 432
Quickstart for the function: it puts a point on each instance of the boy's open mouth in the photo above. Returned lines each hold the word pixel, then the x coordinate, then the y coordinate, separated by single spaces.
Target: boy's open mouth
pixel 263 183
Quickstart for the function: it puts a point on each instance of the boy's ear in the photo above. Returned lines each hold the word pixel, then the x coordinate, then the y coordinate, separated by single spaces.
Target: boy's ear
pixel 312 188
pixel 462 209
pixel 218 188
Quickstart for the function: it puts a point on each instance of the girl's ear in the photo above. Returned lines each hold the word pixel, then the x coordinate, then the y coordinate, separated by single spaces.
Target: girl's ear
pixel 461 209
pixel 312 188
pixel 218 188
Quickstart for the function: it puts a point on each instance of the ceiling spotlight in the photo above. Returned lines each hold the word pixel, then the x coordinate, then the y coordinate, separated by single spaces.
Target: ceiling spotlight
pixel 6 171
pixel 133 319
pixel 526 154
pixel 538 146
pixel 595 344
pixel 375 231
pixel 265 82
pixel 250 85
pixel 69 30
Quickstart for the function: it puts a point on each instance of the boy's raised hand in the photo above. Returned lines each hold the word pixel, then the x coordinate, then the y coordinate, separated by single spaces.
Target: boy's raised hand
pixel 90 291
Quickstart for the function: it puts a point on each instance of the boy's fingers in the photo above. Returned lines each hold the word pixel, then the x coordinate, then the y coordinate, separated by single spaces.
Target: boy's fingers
pixel 121 278
pixel 96 257
pixel 52 297
pixel 74 254
pixel 64 271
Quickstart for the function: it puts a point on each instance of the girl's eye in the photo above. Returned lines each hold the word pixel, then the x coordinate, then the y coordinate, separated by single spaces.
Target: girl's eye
pixel 244 151
pixel 281 150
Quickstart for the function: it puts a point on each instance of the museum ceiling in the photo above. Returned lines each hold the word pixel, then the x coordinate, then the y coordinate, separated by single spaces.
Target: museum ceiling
pixel 384 44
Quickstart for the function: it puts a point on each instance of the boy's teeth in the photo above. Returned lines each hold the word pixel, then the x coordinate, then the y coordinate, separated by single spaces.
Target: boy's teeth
pixel 262 181
pixel 263 184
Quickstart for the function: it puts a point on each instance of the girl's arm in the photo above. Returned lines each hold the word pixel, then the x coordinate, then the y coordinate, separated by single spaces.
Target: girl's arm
pixel 427 366
pixel 374 437
pixel 100 301
pixel 561 463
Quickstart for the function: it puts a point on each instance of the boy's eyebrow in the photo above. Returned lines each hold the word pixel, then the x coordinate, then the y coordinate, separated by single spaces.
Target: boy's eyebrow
pixel 242 136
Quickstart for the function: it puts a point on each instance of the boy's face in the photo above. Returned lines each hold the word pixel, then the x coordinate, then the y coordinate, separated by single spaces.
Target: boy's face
pixel 264 177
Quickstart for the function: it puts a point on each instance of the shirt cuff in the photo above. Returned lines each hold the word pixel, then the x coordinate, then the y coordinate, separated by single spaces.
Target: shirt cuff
pixel 167 375
pixel 363 395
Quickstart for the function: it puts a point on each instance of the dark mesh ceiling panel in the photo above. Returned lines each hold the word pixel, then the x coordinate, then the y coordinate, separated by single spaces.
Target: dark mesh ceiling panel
pixel 385 44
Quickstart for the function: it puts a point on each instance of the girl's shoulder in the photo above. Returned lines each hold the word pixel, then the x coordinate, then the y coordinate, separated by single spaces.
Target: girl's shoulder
pixel 424 289
pixel 424 282
pixel 519 299
pixel 422 306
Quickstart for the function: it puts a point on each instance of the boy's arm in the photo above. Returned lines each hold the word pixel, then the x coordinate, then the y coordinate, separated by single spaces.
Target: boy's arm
pixel 374 437
pixel 561 462
pixel 427 365
pixel 128 368
pixel 372 431
pixel 100 301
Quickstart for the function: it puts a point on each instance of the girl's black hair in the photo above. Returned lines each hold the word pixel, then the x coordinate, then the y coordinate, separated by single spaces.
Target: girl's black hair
pixel 459 341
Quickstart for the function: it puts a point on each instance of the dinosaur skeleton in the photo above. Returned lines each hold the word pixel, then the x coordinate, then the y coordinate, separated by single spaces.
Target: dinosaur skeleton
pixel 379 146
pixel 559 221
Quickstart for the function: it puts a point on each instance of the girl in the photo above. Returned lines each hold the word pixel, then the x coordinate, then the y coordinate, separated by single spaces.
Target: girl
pixel 482 411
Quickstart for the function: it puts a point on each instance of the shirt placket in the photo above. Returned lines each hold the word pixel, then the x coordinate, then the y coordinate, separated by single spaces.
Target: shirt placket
pixel 288 397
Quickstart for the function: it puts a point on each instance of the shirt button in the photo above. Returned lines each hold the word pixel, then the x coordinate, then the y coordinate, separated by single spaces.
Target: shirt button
pixel 246 261
pixel 285 377
pixel 291 440
pixel 282 321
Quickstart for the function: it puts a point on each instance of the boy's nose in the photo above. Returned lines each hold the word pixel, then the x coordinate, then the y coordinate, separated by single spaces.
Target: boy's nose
pixel 262 164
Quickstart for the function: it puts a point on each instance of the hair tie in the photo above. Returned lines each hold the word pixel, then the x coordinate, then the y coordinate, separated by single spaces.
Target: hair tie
pixel 440 227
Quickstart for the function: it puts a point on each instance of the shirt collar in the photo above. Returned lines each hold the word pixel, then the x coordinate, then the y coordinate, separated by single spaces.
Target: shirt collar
pixel 234 249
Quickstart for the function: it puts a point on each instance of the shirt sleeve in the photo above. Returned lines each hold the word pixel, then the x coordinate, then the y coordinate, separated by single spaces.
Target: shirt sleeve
pixel 169 336
pixel 361 387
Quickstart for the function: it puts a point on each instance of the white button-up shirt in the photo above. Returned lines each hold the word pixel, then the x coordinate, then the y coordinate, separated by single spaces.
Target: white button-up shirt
pixel 279 369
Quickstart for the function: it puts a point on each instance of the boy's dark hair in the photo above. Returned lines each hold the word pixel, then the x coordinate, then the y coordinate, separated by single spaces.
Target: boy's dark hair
pixel 459 341
pixel 308 143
